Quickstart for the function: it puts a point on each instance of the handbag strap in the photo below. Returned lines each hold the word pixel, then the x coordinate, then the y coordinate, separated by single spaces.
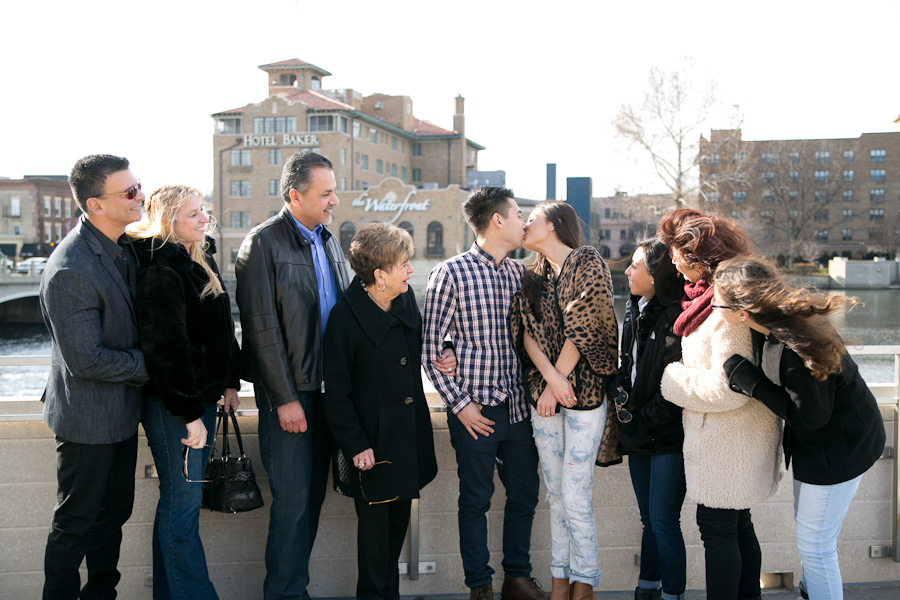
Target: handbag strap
pixel 226 449
pixel 212 454
pixel 237 432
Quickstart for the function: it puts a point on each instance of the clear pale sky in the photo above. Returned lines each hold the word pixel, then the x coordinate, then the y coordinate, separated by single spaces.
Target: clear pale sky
pixel 542 81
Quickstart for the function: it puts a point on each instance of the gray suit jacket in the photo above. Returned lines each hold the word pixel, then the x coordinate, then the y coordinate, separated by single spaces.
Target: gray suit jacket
pixel 93 395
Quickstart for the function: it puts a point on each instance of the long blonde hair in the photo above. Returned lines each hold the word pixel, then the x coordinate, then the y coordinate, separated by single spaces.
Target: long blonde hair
pixel 160 212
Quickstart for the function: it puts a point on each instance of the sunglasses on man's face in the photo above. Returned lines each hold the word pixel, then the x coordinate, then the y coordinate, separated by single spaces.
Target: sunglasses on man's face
pixel 131 193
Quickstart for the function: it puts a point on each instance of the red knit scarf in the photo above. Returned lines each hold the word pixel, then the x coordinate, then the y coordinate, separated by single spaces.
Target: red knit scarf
pixel 695 306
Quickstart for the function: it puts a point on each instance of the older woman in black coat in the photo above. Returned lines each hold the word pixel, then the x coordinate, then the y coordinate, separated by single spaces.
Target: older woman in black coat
pixel 375 403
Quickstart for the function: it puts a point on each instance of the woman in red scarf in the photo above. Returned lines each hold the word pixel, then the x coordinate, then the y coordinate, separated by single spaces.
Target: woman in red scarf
pixel 731 442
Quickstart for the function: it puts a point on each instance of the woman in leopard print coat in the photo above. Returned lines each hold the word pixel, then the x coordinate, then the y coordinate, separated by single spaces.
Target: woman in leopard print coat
pixel 565 328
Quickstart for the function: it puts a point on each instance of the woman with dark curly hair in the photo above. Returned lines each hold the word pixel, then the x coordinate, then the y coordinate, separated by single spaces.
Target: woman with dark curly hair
pixel 801 371
pixel 731 442
pixel 652 435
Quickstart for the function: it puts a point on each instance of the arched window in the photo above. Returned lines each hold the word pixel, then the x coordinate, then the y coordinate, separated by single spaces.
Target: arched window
pixel 435 244
pixel 347 233
pixel 408 228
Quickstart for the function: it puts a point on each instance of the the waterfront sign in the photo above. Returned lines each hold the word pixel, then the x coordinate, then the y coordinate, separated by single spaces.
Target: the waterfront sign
pixel 389 203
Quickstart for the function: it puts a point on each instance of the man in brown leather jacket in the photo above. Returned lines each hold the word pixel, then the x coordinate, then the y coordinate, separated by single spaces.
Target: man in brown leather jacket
pixel 290 271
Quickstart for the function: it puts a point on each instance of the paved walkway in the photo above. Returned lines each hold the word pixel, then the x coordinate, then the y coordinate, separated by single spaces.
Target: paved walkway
pixel 867 591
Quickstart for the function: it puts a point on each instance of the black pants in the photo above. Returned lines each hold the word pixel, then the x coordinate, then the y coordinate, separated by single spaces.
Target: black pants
pixel 94 499
pixel 733 557
pixel 379 539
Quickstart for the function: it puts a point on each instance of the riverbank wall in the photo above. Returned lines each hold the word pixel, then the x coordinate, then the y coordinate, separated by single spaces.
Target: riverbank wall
pixel 235 544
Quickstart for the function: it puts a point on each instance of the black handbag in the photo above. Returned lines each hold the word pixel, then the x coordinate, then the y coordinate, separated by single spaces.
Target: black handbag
pixel 230 485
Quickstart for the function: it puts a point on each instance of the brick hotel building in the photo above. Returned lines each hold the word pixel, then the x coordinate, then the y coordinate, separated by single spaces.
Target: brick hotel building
pixel 389 165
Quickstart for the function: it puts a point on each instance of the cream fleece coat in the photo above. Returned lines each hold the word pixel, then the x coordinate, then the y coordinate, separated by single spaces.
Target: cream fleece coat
pixel 732 443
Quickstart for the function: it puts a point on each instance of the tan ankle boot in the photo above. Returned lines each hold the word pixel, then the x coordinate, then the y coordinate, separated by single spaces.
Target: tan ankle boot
pixel 582 591
pixel 560 589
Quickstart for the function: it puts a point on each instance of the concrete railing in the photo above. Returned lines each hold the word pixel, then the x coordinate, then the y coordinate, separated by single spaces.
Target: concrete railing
pixel 235 544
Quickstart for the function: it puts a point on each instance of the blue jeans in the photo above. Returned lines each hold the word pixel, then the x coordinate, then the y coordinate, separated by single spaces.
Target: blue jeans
pixel 659 486
pixel 511 449
pixel 567 445
pixel 297 466
pixel 819 511
pixel 179 563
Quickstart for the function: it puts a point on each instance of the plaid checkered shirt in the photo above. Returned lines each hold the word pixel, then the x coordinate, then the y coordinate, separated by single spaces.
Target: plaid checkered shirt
pixel 470 298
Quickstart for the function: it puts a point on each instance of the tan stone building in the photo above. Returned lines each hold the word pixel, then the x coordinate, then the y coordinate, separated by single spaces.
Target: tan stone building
pixel 807 198
pixel 369 139
pixel 35 214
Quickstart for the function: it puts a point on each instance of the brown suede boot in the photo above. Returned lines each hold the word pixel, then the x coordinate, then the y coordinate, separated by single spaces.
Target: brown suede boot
pixel 522 588
pixel 482 592
pixel 560 589
pixel 582 591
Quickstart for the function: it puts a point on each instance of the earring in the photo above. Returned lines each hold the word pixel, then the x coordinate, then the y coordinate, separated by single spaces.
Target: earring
pixel 652 282
pixel 743 318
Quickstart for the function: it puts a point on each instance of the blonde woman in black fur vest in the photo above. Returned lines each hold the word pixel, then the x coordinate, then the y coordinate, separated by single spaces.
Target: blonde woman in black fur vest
pixel 187 335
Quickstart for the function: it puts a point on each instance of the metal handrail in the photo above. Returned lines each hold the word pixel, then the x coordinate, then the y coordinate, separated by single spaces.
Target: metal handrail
pixel 6 361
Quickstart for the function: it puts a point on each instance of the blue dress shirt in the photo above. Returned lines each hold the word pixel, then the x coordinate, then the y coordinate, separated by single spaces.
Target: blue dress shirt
pixel 328 292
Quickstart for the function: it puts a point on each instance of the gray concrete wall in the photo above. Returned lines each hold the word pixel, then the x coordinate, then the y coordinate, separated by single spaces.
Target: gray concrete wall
pixel 863 274
pixel 235 544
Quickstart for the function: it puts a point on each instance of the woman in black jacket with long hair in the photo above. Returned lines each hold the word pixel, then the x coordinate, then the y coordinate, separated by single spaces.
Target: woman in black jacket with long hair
pixel 651 433
pixel 801 371
pixel 187 335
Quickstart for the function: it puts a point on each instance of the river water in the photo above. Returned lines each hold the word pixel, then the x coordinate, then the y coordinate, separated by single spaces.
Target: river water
pixel 876 322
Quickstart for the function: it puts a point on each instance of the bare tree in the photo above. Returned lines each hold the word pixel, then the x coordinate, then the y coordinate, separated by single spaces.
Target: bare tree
pixel 667 125
pixel 800 191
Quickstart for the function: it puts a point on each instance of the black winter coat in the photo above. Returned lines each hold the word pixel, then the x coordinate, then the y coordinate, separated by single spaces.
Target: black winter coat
pixel 189 346
pixel 833 429
pixel 655 427
pixel 373 393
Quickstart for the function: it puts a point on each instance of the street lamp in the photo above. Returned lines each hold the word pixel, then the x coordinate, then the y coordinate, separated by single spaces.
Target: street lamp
pixel 237 142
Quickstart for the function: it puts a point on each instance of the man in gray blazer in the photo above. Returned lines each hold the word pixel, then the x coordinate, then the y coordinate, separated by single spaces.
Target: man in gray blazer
pixel 93 397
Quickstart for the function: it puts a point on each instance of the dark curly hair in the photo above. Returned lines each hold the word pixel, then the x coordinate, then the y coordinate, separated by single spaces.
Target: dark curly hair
pixel 704 240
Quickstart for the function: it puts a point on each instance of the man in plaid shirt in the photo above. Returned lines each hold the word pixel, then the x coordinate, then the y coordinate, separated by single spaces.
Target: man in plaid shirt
pixel 469 297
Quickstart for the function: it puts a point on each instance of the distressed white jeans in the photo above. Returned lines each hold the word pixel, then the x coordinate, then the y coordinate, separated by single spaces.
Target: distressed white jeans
pixel 567 445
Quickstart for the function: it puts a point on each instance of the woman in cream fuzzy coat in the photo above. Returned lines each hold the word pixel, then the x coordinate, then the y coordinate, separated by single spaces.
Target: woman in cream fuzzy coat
pixel 732 449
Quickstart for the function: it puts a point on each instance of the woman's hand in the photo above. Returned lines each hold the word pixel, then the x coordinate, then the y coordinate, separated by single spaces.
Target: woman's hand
pixel 365 460
pixel 196 434
pixel 447 362
pixel 231 400
pixel 557 391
